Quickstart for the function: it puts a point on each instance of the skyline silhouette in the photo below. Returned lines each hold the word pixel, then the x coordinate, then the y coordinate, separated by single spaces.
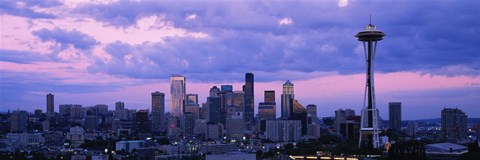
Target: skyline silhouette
pixel 129 50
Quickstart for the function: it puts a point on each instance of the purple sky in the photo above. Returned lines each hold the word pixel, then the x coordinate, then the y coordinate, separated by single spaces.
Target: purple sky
pixel 101 52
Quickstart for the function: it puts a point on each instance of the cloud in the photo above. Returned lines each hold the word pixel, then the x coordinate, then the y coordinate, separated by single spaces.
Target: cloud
pixel 285 21
pixel 21 56
pixel 78 39
pixel 27 8
pixel 342 3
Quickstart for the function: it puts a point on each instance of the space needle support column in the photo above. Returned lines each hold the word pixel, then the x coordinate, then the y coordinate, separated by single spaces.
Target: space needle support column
pixel 369 122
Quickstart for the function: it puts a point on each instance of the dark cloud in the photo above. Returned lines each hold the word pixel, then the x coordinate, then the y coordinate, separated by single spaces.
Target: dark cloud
pixel 21 56
pixel 246 37
pixel 78 39
pixel 24 8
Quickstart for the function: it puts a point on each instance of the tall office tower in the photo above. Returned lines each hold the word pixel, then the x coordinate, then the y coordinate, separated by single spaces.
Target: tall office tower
pixel 158 111
pixel 204 111
pixel 369 125
pixel 192 105
pixel 18 121
pixel 214 91
pixel 50 104
pixel 300 113
pixel 224 107
pixel 395 116
pixel 312 114
pixel 341 117
pixel 454 124
pixel 119 106
pixel 192 98
pixel 269 96
pixel 238 101
pixel 214 110
pixel 249 98
pixel 287 100
pixel 226 88
pixel 177 95
pixel 187 123
pixel 142 124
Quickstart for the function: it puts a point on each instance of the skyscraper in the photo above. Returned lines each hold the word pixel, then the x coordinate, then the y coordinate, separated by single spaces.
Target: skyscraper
pixel 119 105
pixel 192 105
pixel 142 124
pixel 249 98
pixel 269 96
pixel 214 110
pixel 312 114
pixel 226 88
pixel 158 111
pixel 18 121
pixel 177 95
pixel 395 116
pixel 454 124
pixel 287 100
pixel 369 125
pixel 50 104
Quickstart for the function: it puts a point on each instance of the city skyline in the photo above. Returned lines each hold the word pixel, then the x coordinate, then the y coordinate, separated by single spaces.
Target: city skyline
pixel 77 54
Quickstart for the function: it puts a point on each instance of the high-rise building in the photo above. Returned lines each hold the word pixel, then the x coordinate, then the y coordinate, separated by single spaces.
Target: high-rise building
pixel 142 124
pixel 226 88
pixel 341 117
pixel 270 96
pixel 177 95
pixel 454 124
pixel 119 106
pixel 214 91
pixel 237 100
pixel 235 126
pixel 18 121
pixel 158 111
pixel 395 116
pixel 312 114
pixel 214 110
pixel 249 98
pixel 192 105
pixel 188 123
pixel 38 112
pixel 283 130
pixel 50 104
pixel 192 98
pixel 287 100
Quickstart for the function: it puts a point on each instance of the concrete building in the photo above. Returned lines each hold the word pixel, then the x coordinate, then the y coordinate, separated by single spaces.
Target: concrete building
pixel 158 111
pixel 213 131
pixel 235 127
pixel 395 116
pixel 142 122
pixel 454 124
pixel 76 136
pixel 312 117
pixel 18 121
pixel 129 146
pixel 188 123
pixel 341 117
pixel 50 104
pixel 283 130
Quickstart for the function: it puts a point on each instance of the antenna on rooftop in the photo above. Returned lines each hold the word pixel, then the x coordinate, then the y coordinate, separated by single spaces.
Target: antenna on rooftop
pixel 370 19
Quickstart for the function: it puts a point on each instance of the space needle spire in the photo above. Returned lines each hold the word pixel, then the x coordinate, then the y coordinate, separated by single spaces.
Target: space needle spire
pixel 369 124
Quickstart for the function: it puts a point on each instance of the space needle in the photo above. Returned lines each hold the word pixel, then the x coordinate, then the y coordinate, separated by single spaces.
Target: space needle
pixel 369 123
